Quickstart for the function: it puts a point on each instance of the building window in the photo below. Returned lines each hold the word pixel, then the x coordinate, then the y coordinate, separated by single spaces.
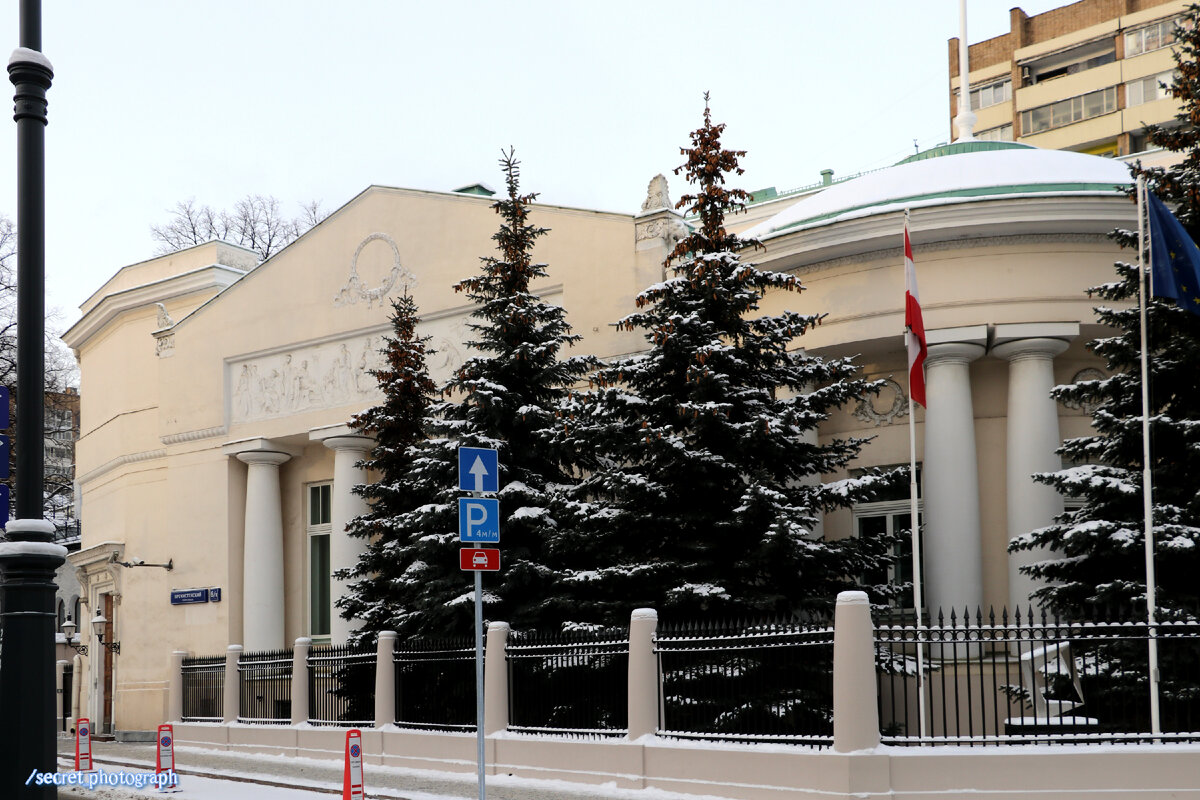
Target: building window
pixel 1003 133
pixel 992 94
pixel 1148 89
pixel 892 514
pixel 1069 62
pixel 1152 37
pixel 62 612
pixel 1069 111
pixel 319 524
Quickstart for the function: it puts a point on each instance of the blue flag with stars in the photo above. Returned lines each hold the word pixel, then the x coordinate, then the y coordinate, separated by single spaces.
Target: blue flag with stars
pixel 1174 257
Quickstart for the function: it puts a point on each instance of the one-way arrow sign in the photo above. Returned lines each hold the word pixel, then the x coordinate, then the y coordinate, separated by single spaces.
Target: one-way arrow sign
pixel 478 470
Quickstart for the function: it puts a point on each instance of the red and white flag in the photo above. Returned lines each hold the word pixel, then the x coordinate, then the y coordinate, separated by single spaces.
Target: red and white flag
pixel 914 334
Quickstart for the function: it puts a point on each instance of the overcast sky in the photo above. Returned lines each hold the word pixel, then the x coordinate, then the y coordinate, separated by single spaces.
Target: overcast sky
pixel 156 102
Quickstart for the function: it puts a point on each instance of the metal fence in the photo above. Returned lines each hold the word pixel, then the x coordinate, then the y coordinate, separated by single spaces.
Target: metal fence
pixel 1032 677
pixel 435 684
pixel 265 687
pixel 203 688
pixel 747 681
pixel 341 686
pixel 573 683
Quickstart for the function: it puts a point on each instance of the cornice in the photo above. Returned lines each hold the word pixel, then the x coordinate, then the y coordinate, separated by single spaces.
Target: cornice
pixel 194 436
pixel 214 276
pixel 120 461
pixel 1078 218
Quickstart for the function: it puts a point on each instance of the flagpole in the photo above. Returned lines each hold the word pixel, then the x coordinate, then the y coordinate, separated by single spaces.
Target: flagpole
pixel 918 599
pixel 1147 489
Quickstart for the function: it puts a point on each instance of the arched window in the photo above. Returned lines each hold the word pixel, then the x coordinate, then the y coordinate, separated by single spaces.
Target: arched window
pixel 75 613
pixel 62 612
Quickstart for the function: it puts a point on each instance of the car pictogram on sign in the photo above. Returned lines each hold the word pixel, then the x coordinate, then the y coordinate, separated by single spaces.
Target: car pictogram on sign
pixel 483 559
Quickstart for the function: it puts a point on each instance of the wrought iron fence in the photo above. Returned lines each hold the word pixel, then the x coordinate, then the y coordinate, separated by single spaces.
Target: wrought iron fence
pixel 265 687
pixel 747 681
pixel 341 686
pixel 203 688
pixel 572 683
pixel 1032 677
pixel 435 684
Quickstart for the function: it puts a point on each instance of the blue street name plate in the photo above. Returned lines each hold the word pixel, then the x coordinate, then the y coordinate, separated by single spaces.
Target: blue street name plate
pixel 4 504
pixel 478 469
pixel 214 595
pixel 183 597
pixel 478 519
pixel 5 421
pixel 4 456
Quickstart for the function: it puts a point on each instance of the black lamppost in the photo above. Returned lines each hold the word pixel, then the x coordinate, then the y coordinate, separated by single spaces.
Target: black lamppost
pixel 29 557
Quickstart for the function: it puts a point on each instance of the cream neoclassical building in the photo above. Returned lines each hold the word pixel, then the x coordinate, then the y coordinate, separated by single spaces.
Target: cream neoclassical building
pixel 216 393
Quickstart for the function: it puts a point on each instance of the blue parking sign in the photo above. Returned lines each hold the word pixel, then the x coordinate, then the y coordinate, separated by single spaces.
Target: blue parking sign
pixel 478 519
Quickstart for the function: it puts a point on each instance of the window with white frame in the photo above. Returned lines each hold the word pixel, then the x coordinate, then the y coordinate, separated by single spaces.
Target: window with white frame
pixel 992 94
pixel 1148 89
pixel 1152 37
pixel 1002 133
pixel 1069 111
pixel 319 525
pixel 892 515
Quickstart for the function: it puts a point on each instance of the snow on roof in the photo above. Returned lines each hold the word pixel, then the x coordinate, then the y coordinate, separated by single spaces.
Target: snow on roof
pixel 960 173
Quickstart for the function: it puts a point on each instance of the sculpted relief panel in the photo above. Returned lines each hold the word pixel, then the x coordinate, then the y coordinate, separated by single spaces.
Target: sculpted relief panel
pixel 330 374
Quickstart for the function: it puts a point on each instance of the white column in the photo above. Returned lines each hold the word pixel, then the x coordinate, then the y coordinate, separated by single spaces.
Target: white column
pixel 175 686
pixel 385 679
pixel 642 694
pixel 495 679
pixel 344 550
pixel 300 700
pixel 262 590
pixel 233 698
pixel 952 548
pixel 1032 439
pixel 855 696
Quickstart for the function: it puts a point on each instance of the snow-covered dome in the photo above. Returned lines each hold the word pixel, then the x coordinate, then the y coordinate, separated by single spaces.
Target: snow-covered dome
pixel 957 173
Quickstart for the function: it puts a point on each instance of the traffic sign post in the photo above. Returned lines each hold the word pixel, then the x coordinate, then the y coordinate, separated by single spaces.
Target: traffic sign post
pixel 83 745
pixel 479 522
pixel 164 760
pixel 352 776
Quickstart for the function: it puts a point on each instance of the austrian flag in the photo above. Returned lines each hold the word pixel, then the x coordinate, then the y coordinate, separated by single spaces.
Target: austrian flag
pixel 914 333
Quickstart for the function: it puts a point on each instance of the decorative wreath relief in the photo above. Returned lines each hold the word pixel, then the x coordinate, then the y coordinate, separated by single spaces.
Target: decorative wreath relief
pixel 1086 374
pixel 356 290
pixel 867 412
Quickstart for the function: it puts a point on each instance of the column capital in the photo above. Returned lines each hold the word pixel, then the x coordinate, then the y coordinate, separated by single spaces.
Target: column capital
pixel 245 450
pixel 262 457
pixel 1019 349
pixel 342 430
pixel 953 352
pixel 359 443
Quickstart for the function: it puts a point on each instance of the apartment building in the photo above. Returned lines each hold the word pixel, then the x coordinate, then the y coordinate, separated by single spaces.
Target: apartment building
pixel 1084 77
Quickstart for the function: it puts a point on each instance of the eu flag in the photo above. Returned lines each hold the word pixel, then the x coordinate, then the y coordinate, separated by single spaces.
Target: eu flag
pixel 1174 257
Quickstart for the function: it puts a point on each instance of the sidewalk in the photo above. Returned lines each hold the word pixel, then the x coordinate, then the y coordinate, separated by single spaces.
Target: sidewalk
pixel 221 775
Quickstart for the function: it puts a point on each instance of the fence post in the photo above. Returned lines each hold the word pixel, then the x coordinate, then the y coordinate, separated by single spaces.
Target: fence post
pixel 232 686
pixel 855 703
pixel 300 680
pixel 642 701
pixel 385 679
pixel 60 667
pixel 175 687
pixel 495 679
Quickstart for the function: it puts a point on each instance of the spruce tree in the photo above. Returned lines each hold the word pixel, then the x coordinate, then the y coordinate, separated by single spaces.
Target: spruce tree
pixel 398 425
pixel 501 398
pixel 702 489
pixel 1096 564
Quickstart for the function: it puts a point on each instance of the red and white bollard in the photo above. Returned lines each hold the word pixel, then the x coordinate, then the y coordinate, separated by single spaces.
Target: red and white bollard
pixel 164 760
pixel 352 784
pixel 83 745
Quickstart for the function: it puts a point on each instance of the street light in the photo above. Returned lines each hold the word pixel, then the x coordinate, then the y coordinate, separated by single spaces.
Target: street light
pixel 68 629
pixel 98 623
